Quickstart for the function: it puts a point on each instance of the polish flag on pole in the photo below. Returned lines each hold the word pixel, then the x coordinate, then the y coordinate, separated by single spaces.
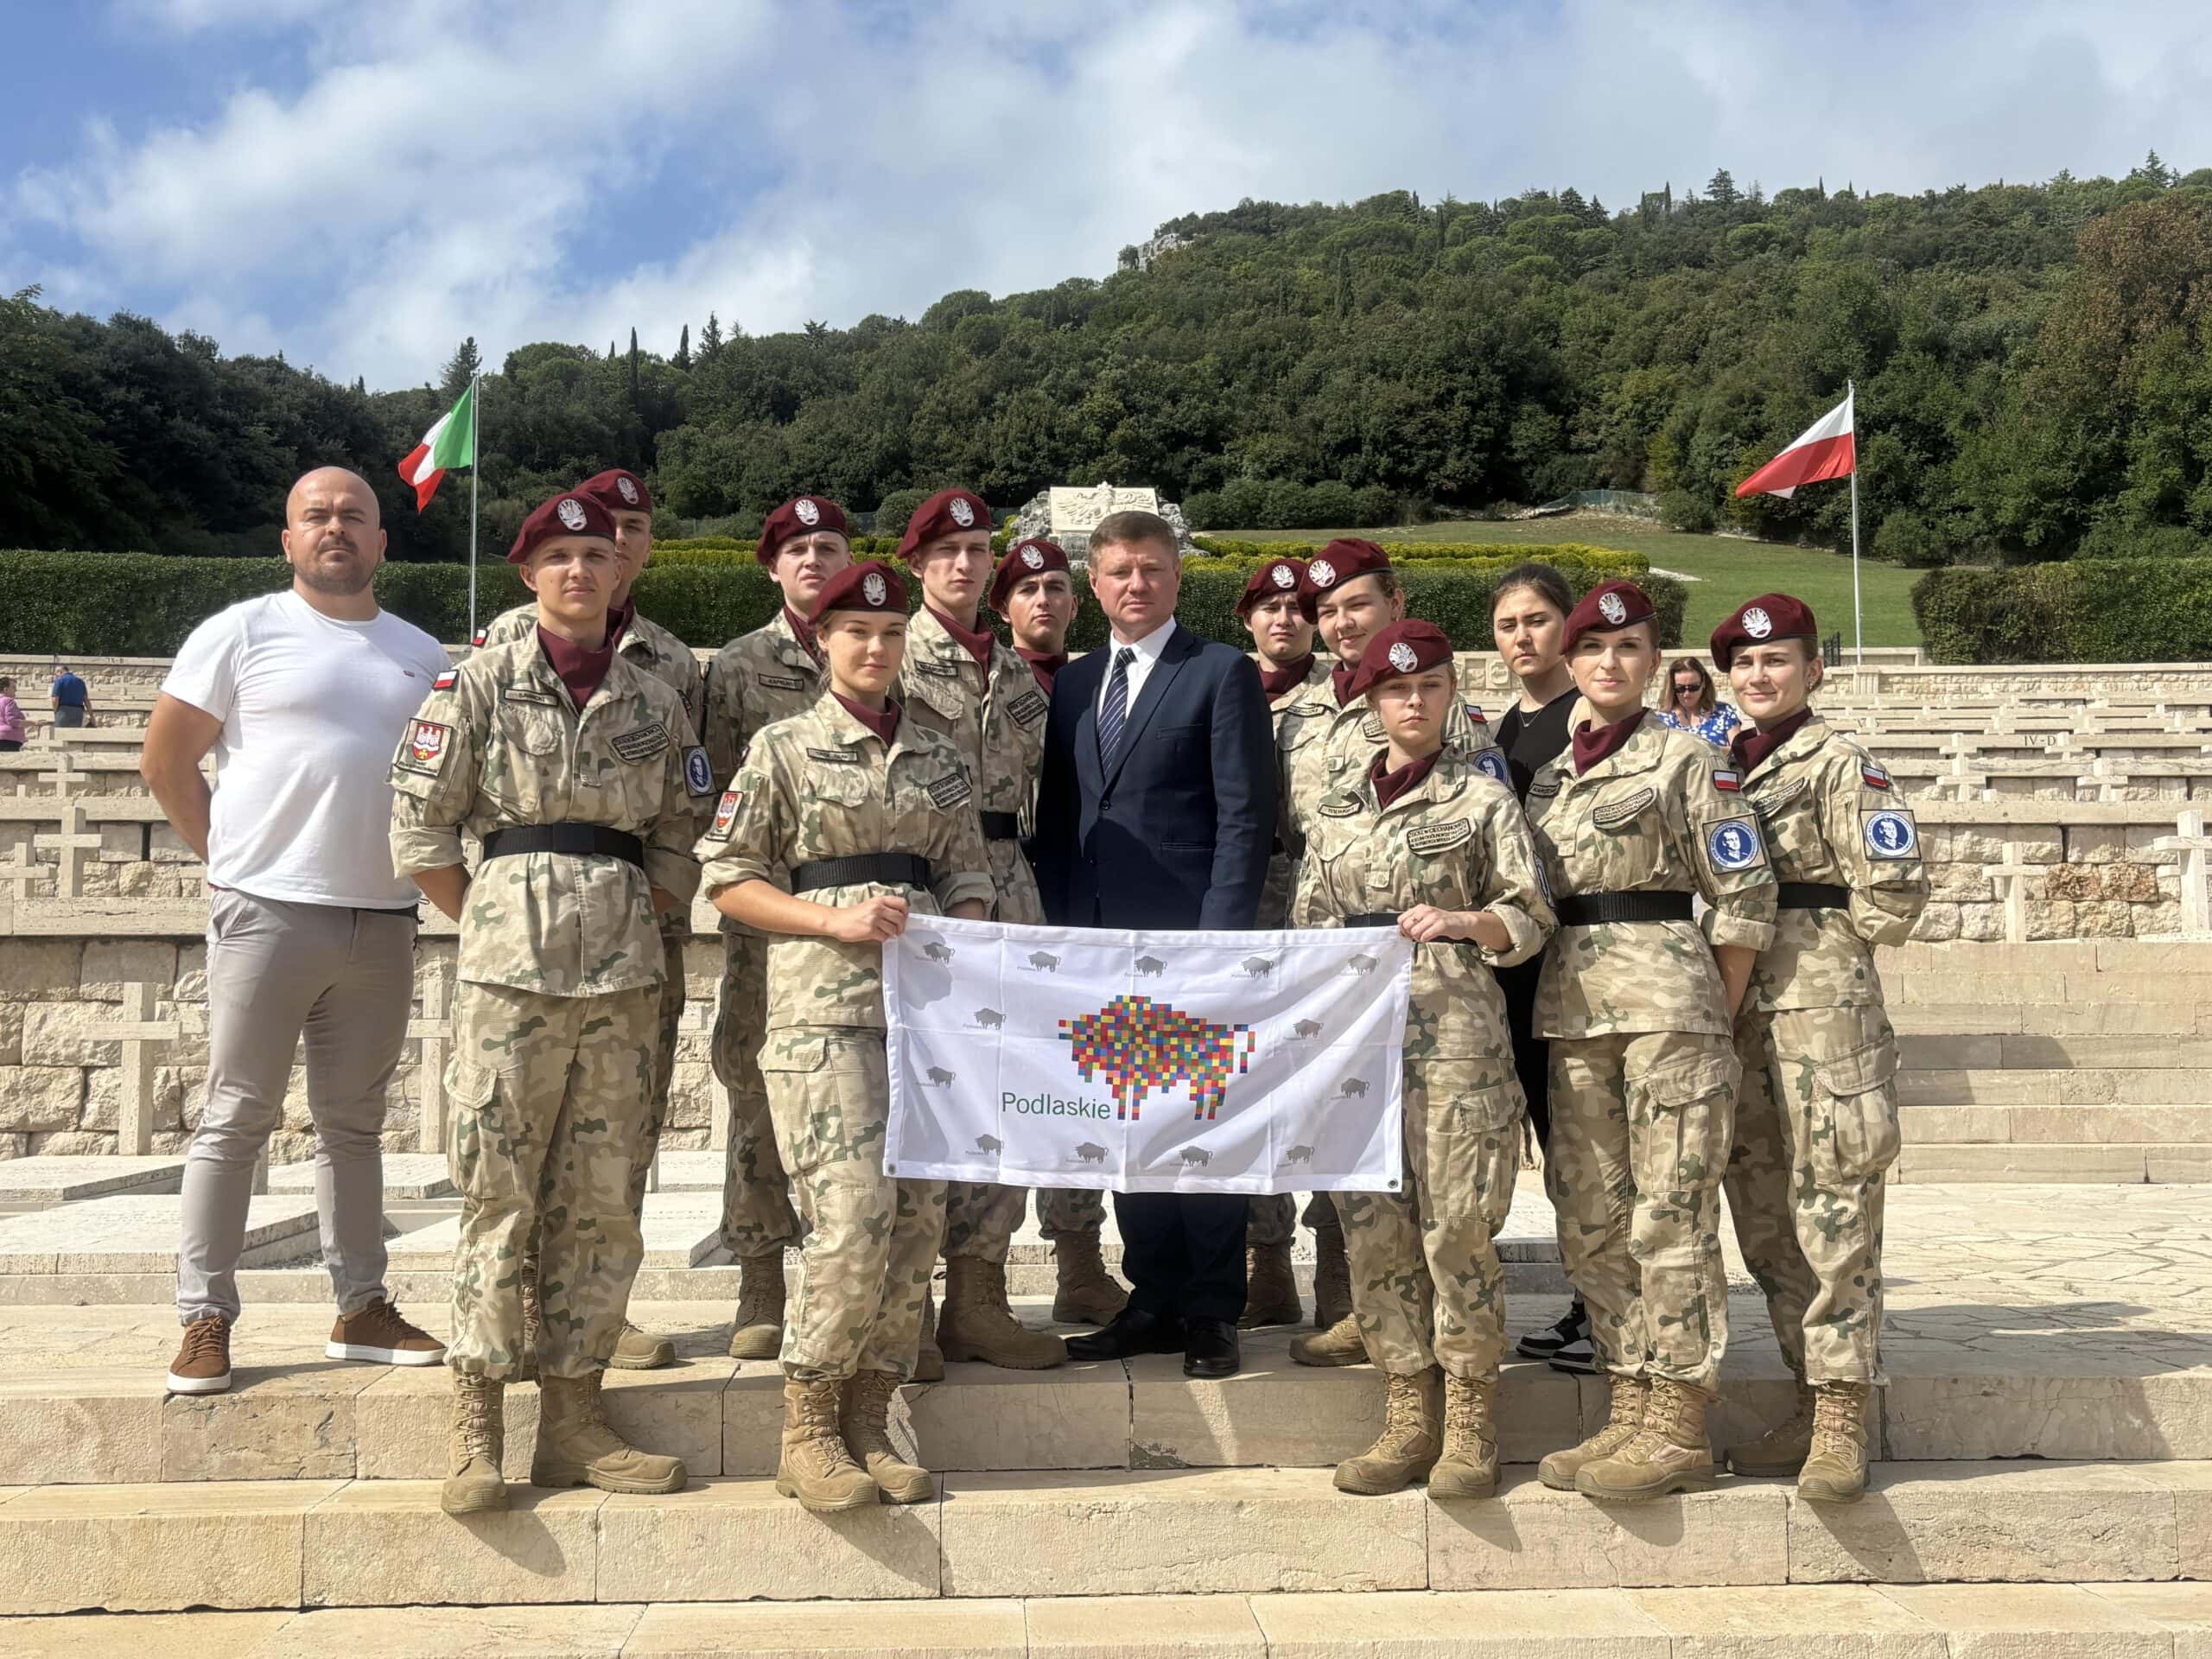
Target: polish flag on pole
pixel 450 443
pixel 1828 449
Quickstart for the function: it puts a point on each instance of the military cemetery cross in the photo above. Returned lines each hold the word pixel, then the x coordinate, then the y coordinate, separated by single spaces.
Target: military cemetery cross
pixel 2188 849
pixel 435 1032
pixel 138 1032
pixel 71 842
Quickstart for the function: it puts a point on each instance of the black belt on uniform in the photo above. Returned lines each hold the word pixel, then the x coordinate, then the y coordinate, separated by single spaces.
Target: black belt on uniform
pixel 580 838
pixel 890 869
pixel 1814 895
pixel 1591 909
pixel 1372 918
pixel 1001 826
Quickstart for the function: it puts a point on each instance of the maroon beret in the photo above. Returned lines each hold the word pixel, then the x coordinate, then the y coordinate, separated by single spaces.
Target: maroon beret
pixel 800 515
pixel 871 587
pixel 1610 604
pixel 1771 616
pixel 1031 557
pixel 1335 565
pixel 1276 576
pixel 618 491
pixel 1406 648
pixel 945 513
pixel 564 515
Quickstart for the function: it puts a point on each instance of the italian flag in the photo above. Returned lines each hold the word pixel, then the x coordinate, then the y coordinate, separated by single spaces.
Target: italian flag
pixel 1828 449
pixel 450 443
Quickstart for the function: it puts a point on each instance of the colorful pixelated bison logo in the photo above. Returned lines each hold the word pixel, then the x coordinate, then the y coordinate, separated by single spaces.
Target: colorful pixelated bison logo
pixel 1135 1046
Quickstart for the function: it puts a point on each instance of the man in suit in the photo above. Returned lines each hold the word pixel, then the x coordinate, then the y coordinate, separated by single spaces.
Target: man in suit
pixel 1157 809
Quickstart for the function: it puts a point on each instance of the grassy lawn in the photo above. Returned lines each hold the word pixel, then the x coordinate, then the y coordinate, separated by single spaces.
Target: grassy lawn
pixel 1732 570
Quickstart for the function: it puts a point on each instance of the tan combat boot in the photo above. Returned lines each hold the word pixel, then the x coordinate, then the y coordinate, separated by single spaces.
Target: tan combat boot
pixel 479 1442
pixel 978 1323
pixel 1782 1449
pixel 865 1423
pixel 640 1350
pixel 526 1361
pixel 1340 1344
pixel 759 1332
pixel 929 1358
pixel 1835 1471
pixel 1332 1278
pixel 1270 1288
pixel 1087 1292
pixel 1469 1465
pixel 1629 1395
pixel 577 1447
pixel 1413 1435
pixel 815 1467
pixel 1669 1454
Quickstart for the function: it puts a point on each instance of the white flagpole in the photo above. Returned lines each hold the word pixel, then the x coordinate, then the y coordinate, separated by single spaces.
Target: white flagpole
pixel 1858 611
pixel 476 469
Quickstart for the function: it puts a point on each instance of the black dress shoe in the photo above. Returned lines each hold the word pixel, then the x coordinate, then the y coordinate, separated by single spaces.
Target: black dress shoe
pixel 1210 1349
pixel 1133 1331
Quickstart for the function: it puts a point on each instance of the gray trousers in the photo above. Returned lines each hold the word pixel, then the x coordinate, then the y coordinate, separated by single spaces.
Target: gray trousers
pixel 344 979
pixel 69 713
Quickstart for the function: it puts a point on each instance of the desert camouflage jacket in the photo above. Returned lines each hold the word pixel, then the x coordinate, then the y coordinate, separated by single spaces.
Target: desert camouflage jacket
pixel 644 644
pixel 996 722
pixel 820 785
pixel 499 744
pixel 1319 747
pixel 757 678
pixel 1457 840
pixel 1282 866
pixel 1663 813
pixel 1831 816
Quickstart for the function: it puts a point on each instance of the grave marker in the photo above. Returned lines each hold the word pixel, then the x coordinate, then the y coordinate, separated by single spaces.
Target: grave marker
pixel 71 842
pixel 2188 849
pixel 434 1031
pixel 138 1032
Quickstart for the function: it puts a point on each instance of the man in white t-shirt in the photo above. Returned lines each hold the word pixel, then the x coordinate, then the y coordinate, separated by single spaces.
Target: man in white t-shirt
pixel 303 694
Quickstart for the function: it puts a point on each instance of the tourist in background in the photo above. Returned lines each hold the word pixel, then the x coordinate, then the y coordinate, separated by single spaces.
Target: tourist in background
pixel 72 700
pixel 11 716
pixel 303 694
pixel 1692 705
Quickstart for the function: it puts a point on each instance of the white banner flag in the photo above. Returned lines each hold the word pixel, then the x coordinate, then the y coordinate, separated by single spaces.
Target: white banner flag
pixel 1147 1061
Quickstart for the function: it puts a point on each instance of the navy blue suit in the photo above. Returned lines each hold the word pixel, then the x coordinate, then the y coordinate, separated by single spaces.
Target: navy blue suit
pixel 1175 834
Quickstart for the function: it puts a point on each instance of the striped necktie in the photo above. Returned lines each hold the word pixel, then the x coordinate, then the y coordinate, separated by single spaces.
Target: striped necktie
pixel 1116 713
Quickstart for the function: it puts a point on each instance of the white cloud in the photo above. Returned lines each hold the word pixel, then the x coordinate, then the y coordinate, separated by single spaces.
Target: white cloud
pixel 429 180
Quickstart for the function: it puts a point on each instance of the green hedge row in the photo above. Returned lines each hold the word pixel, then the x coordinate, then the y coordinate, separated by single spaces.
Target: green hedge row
pixel 144 604
pixel 2083 610
pixel 1613 561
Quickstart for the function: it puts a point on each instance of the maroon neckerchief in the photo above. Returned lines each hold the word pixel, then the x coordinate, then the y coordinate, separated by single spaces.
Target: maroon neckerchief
pixel 1748 747
pixel 1340 677
pixel 1043 664
pixel 978 643
pixel 1277 681
pixel 617 622
pixel 1388 785
pixel 802 631
pixel 579 669
pixel 884 722
pixel 1591 746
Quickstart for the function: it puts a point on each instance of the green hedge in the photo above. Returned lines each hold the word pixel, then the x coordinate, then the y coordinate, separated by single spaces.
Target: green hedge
pixel 2084 611
pixel 1613 561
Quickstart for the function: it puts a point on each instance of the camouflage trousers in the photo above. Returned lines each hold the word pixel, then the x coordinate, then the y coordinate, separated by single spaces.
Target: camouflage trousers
pixel 1817 1128
pixel 757 1217
pixel 1271 1218
pixel 1426 1281
pixel 980 1220
pixel 872 1241
pixel 1641 1127
pixel 550 1098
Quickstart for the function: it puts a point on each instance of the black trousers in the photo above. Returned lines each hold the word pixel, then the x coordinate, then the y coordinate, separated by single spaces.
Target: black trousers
pixel 1183 1253
pixel 1532 1055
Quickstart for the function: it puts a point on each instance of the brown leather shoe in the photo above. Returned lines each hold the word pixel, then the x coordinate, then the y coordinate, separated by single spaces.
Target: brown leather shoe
pixel 202 1365
pixel 378 1334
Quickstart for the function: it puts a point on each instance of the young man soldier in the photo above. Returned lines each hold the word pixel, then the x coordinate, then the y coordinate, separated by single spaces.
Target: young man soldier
pixel 1035 591
pixel 578 773
pixel 644 645
pixel 768 674
pixel 1816 1121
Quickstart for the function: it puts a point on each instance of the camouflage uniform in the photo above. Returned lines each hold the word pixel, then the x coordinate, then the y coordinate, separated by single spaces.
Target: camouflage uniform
pixel 1427 1284
pixel 756 679
pixel 995 718
pixel 645 644
pixel 1817 1124
pixel 560 970
pixel 822 786
pixel 1642 1075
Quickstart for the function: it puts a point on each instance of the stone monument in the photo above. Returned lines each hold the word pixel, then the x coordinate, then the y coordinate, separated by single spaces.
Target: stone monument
pixel 1067 514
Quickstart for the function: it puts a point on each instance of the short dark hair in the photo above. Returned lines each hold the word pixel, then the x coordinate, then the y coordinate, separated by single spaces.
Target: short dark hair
pixel 1132 526
pixel 1550 586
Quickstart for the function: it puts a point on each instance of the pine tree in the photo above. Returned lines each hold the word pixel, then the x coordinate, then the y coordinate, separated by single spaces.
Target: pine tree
pixel 461 367
pixel 710 339
pixel 1720 189
pixel 633 368
pixel 683 348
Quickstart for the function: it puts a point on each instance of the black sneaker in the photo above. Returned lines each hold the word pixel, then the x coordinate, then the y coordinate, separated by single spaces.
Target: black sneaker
pixel 1574 1325
pixel 1580 1356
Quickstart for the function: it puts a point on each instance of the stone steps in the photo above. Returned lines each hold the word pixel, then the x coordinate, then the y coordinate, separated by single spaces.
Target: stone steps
pixel 285 1544
pixel 1947 1162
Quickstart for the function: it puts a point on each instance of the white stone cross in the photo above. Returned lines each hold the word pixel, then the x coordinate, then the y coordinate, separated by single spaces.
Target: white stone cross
pixel 64 773
pixel 2107 777
pixel 22 872
pixel 138 1032
pixel 2188 849
pixel 71 843
pixel 2011 880
pixel 1964 785
pixel 435 1029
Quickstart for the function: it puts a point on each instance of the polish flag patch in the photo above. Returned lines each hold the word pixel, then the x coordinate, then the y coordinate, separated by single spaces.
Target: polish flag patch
pixel 444 682
pixel 1727 782
pixel 1875 777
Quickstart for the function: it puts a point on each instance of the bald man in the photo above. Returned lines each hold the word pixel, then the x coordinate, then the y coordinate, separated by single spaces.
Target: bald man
pixel 305 693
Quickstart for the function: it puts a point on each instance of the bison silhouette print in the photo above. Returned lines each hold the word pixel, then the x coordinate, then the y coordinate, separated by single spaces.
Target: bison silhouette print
pixel 1149 967
pixel 1298 1155
pixel 937 950
pixel 989 1019
pixel 1135 1046
pixel 1195 1157
pixel 940 1077
pixel 1043 961
pixel 989 1143
pixel 1090 1151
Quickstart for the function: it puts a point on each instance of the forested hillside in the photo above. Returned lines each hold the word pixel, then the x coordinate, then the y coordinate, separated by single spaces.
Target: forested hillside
pixel 2034 364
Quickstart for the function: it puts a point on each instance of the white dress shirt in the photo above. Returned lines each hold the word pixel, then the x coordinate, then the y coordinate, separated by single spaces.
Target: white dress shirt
pixel 1149 650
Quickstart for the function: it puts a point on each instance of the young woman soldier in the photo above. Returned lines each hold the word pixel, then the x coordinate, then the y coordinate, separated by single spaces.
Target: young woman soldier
pixel 1816 1123
pixel 865 816
pixel 1425 842
pixel 1639 1008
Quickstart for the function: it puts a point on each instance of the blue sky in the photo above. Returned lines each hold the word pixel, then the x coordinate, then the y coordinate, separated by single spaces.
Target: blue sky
pixel 360 186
